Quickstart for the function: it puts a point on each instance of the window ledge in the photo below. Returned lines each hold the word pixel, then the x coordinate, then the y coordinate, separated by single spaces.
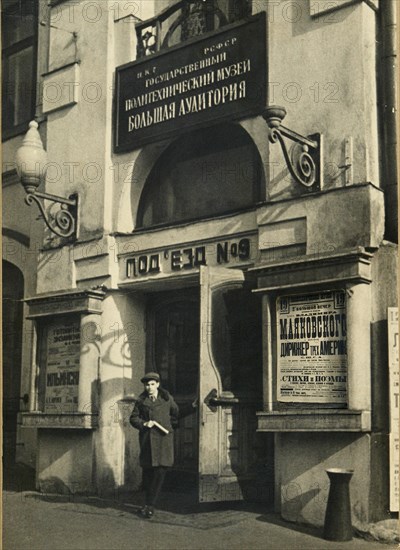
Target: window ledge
pixel 65 420
pixel 314 420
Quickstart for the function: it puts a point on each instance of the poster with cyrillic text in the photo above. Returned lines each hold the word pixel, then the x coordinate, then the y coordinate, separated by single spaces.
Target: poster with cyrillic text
pixel 312 353
pixel 62 372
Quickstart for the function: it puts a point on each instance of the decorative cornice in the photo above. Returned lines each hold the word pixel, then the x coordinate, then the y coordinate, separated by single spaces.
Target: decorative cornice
pixel 314 420
pixel 349 266
pixel 66 294
pixel 312 259
pixel 65 420
pixel 60 303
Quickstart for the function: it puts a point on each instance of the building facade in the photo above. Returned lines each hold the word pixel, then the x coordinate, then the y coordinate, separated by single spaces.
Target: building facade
pixel 230 167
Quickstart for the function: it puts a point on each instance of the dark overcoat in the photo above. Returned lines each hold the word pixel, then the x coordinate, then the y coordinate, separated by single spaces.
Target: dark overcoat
pixel 156 448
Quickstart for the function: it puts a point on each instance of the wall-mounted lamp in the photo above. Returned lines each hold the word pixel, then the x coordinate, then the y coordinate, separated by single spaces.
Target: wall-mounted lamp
pixel 305 160
pixel 31 164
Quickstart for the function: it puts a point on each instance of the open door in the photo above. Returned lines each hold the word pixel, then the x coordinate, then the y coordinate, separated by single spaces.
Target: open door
pixel 234 461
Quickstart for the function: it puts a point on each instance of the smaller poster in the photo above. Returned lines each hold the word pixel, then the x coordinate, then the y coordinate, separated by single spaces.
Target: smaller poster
pixel 62 368
pixel 312 353
pixel 393 356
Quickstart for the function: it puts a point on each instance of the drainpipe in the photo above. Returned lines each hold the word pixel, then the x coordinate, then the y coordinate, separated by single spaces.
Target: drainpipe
pixel 388 111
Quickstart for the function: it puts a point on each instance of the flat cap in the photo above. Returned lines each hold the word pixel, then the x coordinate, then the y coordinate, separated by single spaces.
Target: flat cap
pixel 150 376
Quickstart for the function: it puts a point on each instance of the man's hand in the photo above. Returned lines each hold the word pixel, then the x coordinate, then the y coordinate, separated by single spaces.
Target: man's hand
pixel 149 424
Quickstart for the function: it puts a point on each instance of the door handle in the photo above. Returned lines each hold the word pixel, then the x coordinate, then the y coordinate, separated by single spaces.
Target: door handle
pixel 210 397
pixel 208 405
pixel 213 400
pixel 220 401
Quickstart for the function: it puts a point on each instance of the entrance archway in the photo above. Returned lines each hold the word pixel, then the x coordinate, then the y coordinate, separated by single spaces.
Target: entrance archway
pixel 205 342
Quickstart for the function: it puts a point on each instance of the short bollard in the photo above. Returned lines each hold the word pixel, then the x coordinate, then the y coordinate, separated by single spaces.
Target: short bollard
pixel 338 511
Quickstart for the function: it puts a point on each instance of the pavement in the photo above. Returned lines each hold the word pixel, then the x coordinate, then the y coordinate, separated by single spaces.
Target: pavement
pixel 37 521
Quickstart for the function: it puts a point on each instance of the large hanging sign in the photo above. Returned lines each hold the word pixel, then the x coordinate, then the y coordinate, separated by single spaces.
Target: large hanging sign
pixel 312 356
pixel 62 369
pixel 221 76
pixel 393 349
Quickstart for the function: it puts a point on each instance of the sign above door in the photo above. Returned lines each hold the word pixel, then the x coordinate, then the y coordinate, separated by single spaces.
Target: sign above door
pixel 233 251
pixel 221 76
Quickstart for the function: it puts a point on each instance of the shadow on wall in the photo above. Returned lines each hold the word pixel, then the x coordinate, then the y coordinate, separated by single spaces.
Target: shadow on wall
pixel 255 473
pixel 302 460
pixel 102 460
pixel 121 346
pixel 116 446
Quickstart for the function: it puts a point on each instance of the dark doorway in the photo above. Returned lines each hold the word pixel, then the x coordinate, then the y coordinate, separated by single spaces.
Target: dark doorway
pixel 13 292
pixel 207 342
pixel 173 351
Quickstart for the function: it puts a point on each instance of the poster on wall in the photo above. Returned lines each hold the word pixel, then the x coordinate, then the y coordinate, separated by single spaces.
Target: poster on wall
pixel 312 354
pixel 62 368
pixel 393 356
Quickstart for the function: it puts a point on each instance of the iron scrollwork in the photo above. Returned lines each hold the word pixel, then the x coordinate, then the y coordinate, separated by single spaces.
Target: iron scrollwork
pixel 63 221
pixel 304 159
pixel 178 22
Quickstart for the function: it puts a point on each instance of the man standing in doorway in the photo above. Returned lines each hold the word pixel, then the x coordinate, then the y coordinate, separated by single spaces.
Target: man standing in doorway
pixel 156 417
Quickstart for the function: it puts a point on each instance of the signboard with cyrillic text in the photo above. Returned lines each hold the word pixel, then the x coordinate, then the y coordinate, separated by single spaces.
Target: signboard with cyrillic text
pixel 220 76
pixel 230 251
pixel 312 354
pixel 62 369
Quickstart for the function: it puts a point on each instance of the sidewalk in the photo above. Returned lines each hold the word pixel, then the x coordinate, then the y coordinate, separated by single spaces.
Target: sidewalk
pixel 34 521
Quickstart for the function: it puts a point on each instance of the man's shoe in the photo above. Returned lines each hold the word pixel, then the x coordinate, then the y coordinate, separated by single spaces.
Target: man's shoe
pixel 149 512
pixel 146 512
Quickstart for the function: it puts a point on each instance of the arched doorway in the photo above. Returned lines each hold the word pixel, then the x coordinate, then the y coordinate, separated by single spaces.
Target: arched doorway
pixel 205 341
pixel 13 293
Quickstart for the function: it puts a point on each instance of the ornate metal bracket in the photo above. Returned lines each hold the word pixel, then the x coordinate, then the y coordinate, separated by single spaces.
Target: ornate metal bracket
pixel 184 19
pixel 304 159
pixel 63 222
